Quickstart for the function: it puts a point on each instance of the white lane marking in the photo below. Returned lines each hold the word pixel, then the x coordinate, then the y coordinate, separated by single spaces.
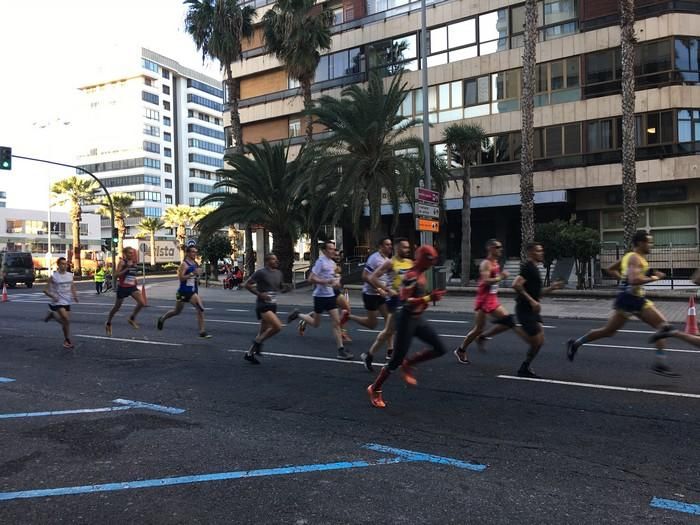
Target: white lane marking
pixel 679 350
pixel 236 310
pixel 256 323
pixel 307 357
pixel 602 387
pixel 441 335
pixel 637 331
pixel 47 302
pixel 470 322
pixel 138 341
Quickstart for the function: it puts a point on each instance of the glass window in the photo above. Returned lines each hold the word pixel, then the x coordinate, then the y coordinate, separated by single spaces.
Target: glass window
pixel 687 58
pixel 462 33
pixel 516 145
pixel 572 72
pixel 502 147
pixel 653 57
pixel 600 135
pixel 557 71
pixel 572 139
pixel 493 31
pixel 487 151
pixel 556 11
pixel 600 67
pixel 666 216
pixel 456 94
pixel 444 96
pixel 463 54
pixel 553 141
pixel 322 69
pixel 438 39
pixel 294 127
pixel 168 184
pixel 537 148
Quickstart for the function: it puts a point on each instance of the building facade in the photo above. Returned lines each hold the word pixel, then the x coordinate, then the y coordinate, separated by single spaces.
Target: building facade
pixel 155 132
pixel 475 62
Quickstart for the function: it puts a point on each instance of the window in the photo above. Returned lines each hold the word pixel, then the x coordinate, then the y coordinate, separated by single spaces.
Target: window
pixel 168 184
pixel 687 58
pixel 166 90
pixel 560 17
pixel 452 42
pixel 340 64
pixel 211 104
pixel 165 73
pixel 394 55
pixel 152 196
pixel 167 136
pixel 131 180
pixel 214 133
pixel 149 97
pixel 148 64
pixel 167 168
pixel 502 148
pixel 168 199
pixel 377 6
pixel 603 135
pixel 200 188
pixel 151 163
pixel 149 81
pixel 151 130
pixel 493 32
pixel 152 147
pixel 505 91
pixel 166 105
pixel 121 165
pixel 688 125
pixel 204 159
pixel 338 16
pixel 557 82
pixel 206 88
pixel 151 212
pixel 477 96
pixel 652 57
pixel 151 114
pixel 654 128
pixel 295 127
pixel 166 121
pixel 203 144
pixel 603 72
pixel 167 152
pixel 293 83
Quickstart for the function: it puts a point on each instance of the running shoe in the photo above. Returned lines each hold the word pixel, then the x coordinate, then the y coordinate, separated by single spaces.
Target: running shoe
pixel 526 371
pixel 461 355
pixel 293 316
pixel 344 354
pixel 204 335
pixel 159 325
pixel 108 329
pixel 255 348
pixel 375 397
pixel 663 369
pixel 407 373
pixel 571 349
pixel 367 359
pixel 389 354
pixel 344 316
pixel 48 317
pixel 302 327
pixel 133 323
pixel 251 359
pixel 662 333
pixel 346 337
pixel 68 344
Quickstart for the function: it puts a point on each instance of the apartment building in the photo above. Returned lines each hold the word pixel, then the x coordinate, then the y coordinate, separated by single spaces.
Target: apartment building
pixel 155 132
pixel 475 58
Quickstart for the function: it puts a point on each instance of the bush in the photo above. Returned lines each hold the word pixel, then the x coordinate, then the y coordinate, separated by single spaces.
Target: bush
pixel 170 266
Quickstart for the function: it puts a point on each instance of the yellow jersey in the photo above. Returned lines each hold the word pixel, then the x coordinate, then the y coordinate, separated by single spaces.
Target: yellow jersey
pixel 637 289
pixel 398 268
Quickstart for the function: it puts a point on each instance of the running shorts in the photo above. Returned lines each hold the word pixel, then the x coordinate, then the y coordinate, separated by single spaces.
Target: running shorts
pixel 126 291
pixel 530 321
pixel 183 297
pixel 57 307
pixel 486 303
pixel 372 302
pixel 264 307
pixel 392 303
pixel 630 304
pixel 324 304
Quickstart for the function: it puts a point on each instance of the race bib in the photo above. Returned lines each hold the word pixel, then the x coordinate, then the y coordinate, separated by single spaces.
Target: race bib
pixel 130 280
pixel 190 282
pixel 272 297
pixel 493 289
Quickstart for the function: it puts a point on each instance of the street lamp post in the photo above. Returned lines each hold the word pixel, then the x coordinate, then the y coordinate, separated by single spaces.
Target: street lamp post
pixel 426 237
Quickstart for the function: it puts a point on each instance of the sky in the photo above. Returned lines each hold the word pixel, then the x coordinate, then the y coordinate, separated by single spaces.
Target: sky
pixel 48 49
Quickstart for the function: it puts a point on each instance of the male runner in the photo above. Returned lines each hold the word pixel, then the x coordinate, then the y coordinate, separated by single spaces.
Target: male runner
pixel 409 323
pixel 528 285
pixel 61 289
pixel 127 270
pixel 188 273
pixel 373 297
pixel 487 303
pixel 394 269
pixel 265 283
pixel 634 272
pixel 324 279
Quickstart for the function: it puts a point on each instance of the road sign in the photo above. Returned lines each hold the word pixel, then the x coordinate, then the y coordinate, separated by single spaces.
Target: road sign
pixel 423 210
pixel 427 225
pixel 191 242
pixel 143 247
pixel 427 196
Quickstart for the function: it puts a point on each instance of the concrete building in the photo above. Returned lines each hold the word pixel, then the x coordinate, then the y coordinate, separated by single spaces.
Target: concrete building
pixel 475 61
pixel 155 131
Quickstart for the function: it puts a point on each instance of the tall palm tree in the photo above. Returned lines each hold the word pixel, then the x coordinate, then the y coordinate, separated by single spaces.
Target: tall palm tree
pixel 218 28
pixel 260 189
pixel 367 133
pixel 465 140
pixel 122 211
pixel 181 217
pixel 150 226
pixel 629 175
pixel 295 32
pixel 78 192
pixel 527 188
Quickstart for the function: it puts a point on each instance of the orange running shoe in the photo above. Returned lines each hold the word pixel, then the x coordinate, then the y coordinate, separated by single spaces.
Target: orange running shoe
pixel 375 397
pixel 407 372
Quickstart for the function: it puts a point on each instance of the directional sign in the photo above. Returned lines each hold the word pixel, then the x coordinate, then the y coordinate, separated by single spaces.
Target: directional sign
pixel 191 242
pixel 427 196
pixel 423 210
pixel 427 225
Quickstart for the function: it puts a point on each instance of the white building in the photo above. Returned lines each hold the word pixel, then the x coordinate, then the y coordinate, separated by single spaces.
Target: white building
pixel 154 131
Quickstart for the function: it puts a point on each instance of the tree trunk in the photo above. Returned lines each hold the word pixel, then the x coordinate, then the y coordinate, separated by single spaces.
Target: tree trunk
pixel 121 230
pixel 375 219
pixel 233 85
pixel 466 221
pixel 284 249
pixel 76 215
pixel 313 247
pixel 153 249
pixel 306 90
pixel 629 176
pixel 249 262
pixel 527 191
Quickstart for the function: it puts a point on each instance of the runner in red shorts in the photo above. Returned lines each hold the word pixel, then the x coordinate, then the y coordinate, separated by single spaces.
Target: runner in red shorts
pixel 487 303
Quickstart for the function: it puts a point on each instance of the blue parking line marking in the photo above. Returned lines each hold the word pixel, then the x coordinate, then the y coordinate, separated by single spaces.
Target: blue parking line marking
pixel 127 405
pixel 679 506
pixel 148 406
pixel 6 380
pixel 400 456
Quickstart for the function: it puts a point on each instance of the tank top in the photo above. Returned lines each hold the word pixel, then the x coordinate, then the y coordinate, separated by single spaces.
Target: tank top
pixel 486 288
pixel 625 286
pixel 189 285
pixel 128 279
pixel 398 268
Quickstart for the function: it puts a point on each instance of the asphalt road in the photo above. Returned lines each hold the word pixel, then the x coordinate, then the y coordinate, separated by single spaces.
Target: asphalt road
pixel 295 439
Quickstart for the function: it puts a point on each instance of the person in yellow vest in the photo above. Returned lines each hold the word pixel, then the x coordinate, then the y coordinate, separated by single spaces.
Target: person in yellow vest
pixel 634 272
pixel 99 278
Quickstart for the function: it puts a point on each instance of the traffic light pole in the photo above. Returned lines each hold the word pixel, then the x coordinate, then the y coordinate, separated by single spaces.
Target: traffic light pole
pixel 109 199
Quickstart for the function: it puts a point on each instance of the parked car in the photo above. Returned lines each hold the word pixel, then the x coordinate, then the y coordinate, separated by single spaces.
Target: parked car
pixel 16 267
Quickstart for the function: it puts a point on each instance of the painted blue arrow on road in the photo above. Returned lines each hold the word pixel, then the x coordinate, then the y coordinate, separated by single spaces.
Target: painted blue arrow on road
pixel 125 404
pixel 6 380
pixel 399 456
pixel 678 506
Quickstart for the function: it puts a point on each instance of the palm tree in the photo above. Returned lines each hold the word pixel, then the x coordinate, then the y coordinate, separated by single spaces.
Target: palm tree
pixel 150 226
pixel 181 217
pixel 260 189
pixel 78 192
pixel 295 32
pixel 629 175
pixel 367 133
pixel 465 140
pixel 122 211
pixel 218 28
pixel 527 188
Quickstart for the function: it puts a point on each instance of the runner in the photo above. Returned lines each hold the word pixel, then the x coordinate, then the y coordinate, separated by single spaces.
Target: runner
pixel 409 323
pixel 394 269
pixel 265 283
pixel 188 273
pixel 61 289
pixel 634 272
pixel 487 303
pixel 127 270
pixel 324 279
pixel 528 285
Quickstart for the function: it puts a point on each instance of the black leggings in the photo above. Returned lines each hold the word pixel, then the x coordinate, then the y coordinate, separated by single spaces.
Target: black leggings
pixel 408 326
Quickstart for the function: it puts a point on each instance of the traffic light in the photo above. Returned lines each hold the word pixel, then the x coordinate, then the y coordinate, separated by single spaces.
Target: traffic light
pixel 5 158
pixel 115 237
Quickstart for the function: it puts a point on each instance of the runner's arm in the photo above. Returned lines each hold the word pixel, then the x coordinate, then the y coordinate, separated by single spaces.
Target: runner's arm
pixel 74 292
pixel 315 279
pixel 485 273
pixel 182 271
pixel 49 289
pixel 635 276
pixel 614 270
pixel 377 274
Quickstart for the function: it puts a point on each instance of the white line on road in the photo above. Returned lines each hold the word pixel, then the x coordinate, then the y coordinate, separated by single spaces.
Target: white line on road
pixel 232 322
pixel 307 357
pixel 679 350
pixel 602 387
pixel 637 331
pixel 138 341
pixel 236 310
pixel 377 331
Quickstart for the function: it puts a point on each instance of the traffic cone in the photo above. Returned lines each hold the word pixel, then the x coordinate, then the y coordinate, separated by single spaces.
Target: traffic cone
pixel 347 295
pixel 4 293
pixel 143 292
pixel 691 322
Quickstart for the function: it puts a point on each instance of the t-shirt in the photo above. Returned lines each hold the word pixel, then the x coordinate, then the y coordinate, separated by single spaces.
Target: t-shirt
pixel 268 281
pixel 373 262
pixel 324 268
pixel 61 284
pixel 533 283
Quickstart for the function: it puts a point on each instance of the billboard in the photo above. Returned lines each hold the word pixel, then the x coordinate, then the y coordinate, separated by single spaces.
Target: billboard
pixel 166 251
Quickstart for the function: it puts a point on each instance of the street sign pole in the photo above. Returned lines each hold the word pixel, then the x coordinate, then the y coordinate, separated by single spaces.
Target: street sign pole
pixel 426 237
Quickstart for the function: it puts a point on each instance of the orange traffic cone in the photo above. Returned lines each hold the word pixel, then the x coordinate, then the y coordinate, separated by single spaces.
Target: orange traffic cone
pixel 143 292
pixel 691 322
pixel 4 293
